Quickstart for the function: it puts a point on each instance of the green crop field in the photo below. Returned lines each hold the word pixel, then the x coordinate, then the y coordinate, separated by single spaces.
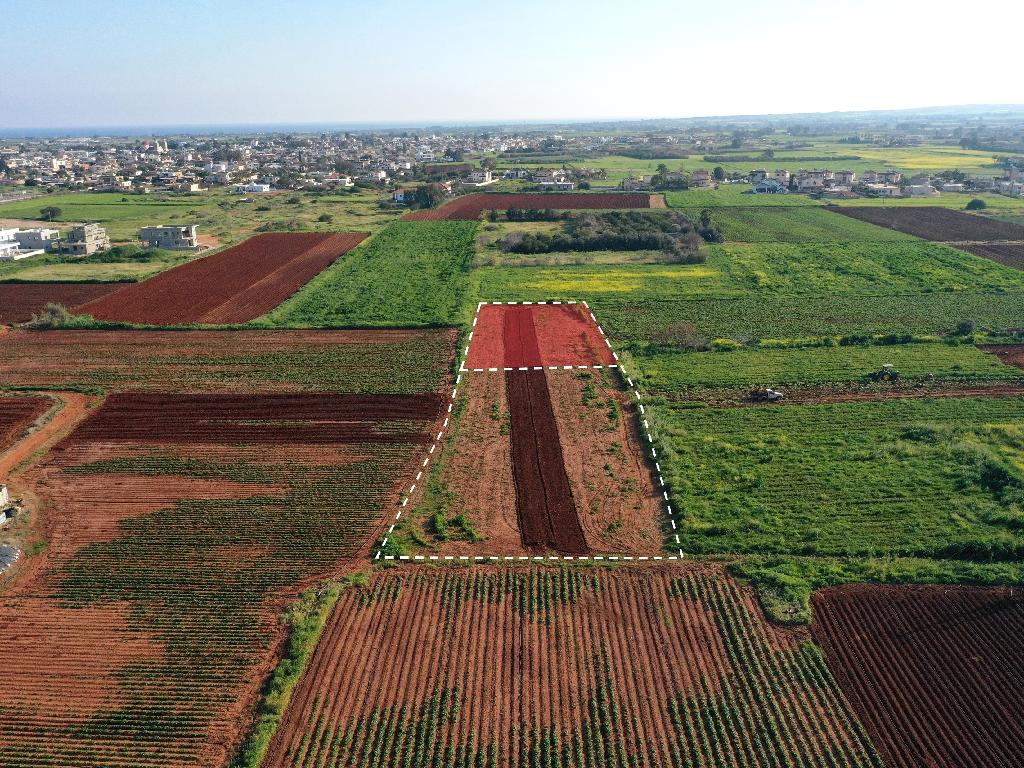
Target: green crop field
pixel 931 478
pixel 684 374
pixel 412 273
pixel 795 224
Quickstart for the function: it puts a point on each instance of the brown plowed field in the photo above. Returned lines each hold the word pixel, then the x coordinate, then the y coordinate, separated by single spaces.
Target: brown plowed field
pixel 19 301
pixel 562 667
pixel 233 286
pixel 1009 254
pixel 236 361
pixel 517 335
pixel 273 418
pixel 933 222
pixel 934 672
pixel 469 207
pixel 544 503
pixel 1011 354
pixel 16 415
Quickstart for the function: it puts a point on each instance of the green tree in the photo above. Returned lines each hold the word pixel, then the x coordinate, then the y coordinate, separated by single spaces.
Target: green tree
pixel 976 204
pixel 51 213
pixel 719 173
pixel 430 195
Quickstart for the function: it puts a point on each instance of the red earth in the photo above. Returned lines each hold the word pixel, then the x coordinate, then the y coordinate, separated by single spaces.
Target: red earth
pixel 233 286
pixel 934 672
pixel 19 301
pixel 530 335
pixel 16 414
pixel 469 207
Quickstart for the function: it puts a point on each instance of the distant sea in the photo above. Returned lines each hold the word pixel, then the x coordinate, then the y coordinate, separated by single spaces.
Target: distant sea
pixel 133 131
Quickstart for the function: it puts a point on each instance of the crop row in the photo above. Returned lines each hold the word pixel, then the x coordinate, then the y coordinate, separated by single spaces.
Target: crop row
pixel 686 674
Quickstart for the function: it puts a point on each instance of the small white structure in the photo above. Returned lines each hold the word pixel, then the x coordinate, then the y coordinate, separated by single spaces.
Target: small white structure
pixel 172 238
pixel 556 186
pixel 951 186
pixel 482 176
pixel 252 188
pixel 404 195
pixel 921 190
pixel 5 496
pixel 883 190
pixel 770 187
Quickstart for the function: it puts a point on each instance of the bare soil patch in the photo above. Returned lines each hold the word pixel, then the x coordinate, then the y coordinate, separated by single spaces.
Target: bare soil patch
pixel 19 301
pixel 933 672
pixel 934 222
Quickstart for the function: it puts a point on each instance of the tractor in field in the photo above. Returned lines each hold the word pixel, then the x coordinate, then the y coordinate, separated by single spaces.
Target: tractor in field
pixel 766 395
pixel 887 372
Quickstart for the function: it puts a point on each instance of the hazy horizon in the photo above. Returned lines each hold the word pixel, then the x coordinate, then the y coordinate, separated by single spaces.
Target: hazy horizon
pixel 234 63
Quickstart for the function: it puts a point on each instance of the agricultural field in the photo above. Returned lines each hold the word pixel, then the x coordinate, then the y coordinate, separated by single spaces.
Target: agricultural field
pixel 19 301
pixel 470 207
pixel 218 214
pixel 533 666
pixel 834 371
pixel 16 415
pixel 177 525
pixel 794 224
pixel 364 362
pixel 931 478
pixel 1009 254
pixel 239 284
pixel 411 274
pixel 932 672
pixel 179 521
pixel 936 223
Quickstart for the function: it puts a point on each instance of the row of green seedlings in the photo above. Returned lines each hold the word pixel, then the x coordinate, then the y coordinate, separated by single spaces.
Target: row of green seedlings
pixel 414 737
pixel 779 707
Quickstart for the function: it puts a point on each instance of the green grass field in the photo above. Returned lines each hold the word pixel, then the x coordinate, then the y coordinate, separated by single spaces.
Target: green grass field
pixel 217 213
pixel 411 273
pixel 931 478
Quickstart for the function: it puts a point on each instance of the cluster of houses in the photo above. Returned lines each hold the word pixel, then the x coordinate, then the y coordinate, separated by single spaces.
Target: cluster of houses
pixel 838 184
pixel 87 239
pixel 82 240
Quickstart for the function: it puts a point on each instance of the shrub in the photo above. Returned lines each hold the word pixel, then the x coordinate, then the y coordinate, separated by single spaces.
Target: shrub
pixel 976 204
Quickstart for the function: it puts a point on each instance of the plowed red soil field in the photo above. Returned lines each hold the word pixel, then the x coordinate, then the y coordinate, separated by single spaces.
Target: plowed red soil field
pixel 1010 254
pixel 16 415
pixel 544 503
pixel 469 207
pixel 178 527
pixel 19 301
pixel 934 672
pixel 933 222
pixel 233 286
pixel 376 362
pixel 562 667
pixel 529 335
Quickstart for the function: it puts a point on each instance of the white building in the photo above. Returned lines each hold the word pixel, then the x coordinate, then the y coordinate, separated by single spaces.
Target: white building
pixel 5 496
pixel 10 248
pixel 1011 187
pixel 252 188
pixel 921 190
pixel 556 186
pixel 883 190
pixel 40 239
pixel 950 186
pixel 173 238
pixel 404 195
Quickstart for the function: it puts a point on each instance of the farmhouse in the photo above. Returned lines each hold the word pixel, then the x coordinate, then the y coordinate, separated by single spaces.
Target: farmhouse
pixel 480 178
pixel 556 186
pixel 252 188
pixel 86 239
pixel 921 190
pixel 11 249
pixel 770 187
pixel 1011 187
pixel 882 190
pixel 174 238
pixel 701 178
pixel 844 178
pixel 951 186
pixel 516 173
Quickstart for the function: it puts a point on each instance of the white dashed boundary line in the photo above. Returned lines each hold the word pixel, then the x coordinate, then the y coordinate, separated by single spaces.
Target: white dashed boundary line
pixel 670 514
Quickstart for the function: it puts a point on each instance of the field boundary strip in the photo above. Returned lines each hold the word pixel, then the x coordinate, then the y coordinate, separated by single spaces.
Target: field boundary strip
pixel 670 513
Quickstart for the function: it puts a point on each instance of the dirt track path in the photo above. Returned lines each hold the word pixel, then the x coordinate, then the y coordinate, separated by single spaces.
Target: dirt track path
pixel 68 410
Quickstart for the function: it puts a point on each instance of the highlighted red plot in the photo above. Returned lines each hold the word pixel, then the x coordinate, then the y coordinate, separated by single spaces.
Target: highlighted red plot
pixel 531 335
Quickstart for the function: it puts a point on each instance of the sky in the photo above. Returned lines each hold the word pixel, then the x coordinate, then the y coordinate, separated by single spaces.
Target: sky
pixel 177 62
